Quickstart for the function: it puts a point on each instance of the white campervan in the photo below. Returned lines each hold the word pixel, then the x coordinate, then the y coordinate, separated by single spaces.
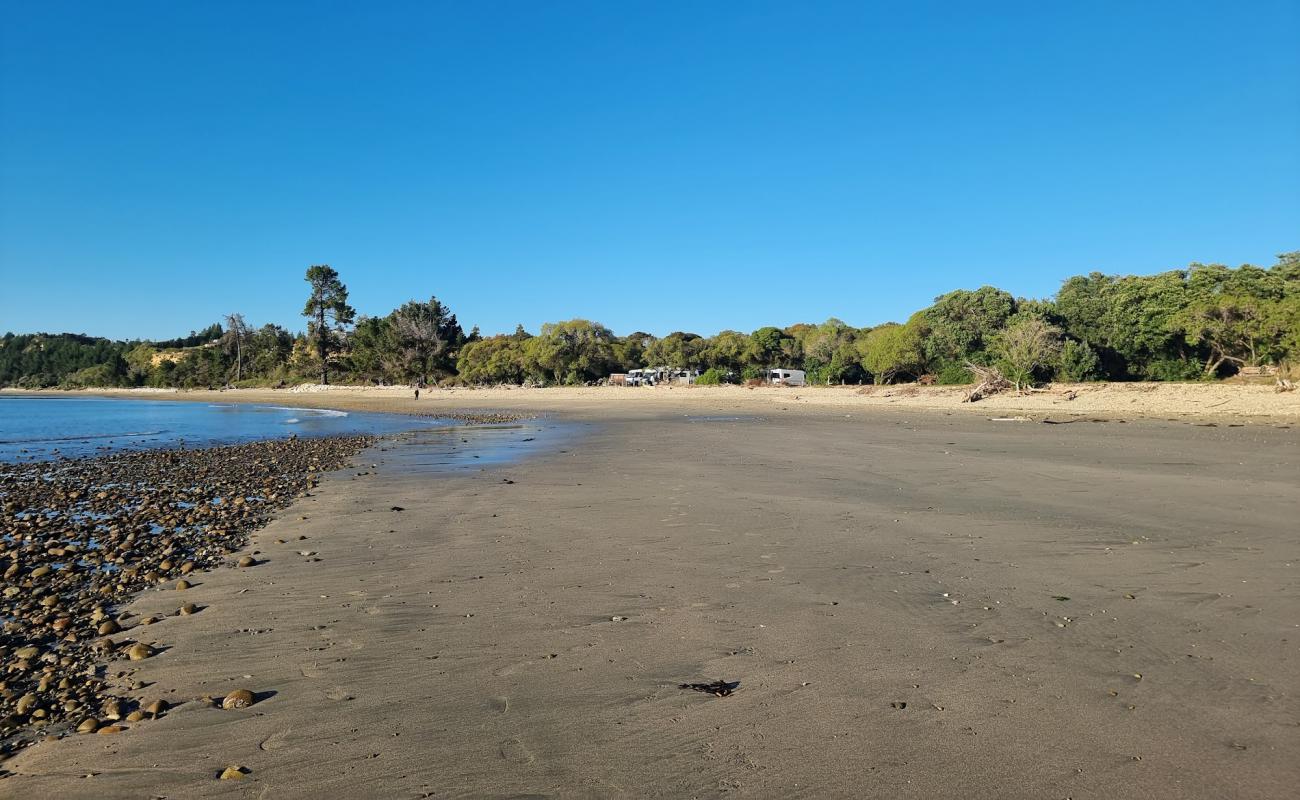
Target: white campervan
pixel 787 377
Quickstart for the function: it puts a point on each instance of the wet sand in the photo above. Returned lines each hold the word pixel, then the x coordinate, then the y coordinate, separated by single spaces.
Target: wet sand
pixel 916 604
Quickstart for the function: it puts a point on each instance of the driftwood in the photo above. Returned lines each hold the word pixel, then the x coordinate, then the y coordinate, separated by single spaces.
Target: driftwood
pixel 991 382
pixel 1287 378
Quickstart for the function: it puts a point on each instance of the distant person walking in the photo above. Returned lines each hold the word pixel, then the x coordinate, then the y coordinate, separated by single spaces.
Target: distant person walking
pixel 417 393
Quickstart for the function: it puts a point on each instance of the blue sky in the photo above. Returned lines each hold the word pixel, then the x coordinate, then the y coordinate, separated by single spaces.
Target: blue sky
pixel 655 166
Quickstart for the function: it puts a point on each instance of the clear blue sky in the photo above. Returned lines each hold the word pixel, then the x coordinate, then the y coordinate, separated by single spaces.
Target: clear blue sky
pixel 655 166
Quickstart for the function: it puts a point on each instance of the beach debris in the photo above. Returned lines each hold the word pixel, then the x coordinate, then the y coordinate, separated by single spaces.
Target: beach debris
pixel 1060 598
pixel 397 508
pixel 990 381
pixel 234 772
pixel 240 698
pixel 898 704
pixel 718 688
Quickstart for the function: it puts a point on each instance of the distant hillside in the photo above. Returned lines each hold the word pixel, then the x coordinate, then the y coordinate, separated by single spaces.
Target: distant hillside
pixel 44 360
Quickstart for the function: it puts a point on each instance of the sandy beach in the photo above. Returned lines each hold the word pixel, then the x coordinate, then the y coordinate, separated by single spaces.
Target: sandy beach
pixel 1169 401
pixel 918 598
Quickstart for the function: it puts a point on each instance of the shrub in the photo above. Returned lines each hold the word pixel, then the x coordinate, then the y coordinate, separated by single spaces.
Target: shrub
pixel 711 377
pixel 1173 369
pixel 953 375
pixel 1078 363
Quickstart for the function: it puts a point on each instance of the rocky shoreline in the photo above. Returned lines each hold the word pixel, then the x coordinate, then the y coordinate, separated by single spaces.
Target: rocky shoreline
pixel 80 537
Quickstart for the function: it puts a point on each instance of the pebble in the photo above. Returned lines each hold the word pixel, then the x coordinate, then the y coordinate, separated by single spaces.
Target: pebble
pixel 80 537
pixel 240 698
pixel 234 772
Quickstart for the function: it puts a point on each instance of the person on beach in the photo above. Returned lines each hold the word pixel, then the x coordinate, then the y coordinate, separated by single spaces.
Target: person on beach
pixel 417 393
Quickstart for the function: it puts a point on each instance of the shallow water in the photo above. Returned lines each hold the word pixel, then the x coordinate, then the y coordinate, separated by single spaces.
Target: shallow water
pixel 39 428
pixel 457 446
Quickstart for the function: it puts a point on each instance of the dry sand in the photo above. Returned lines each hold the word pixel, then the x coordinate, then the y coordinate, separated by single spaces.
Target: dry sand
pixel 1117 400
pixel 523 630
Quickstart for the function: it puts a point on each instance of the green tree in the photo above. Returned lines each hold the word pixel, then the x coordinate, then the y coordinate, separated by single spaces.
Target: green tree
pixel 1078 362
pixel 497 359
pixel 572 352
pixel 328 311
pixel 1240 330
pixel 373 352
pixel 891 350
pixel 1026 349
pixel 960 325
pixel 426 334
pixel 236 334
pixel 678 350
pixel 728 351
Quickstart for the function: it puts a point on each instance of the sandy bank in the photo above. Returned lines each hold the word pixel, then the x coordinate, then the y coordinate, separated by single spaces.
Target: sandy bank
pixel 1122 400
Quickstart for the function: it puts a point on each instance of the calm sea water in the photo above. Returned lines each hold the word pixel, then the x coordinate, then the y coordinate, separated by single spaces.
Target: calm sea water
pixel 50 427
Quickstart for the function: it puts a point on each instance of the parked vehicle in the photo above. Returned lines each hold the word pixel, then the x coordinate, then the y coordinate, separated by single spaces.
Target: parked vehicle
pixel 787 377
pixel 651 376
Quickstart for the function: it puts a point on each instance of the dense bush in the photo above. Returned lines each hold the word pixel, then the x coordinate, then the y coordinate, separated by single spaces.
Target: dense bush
pixel 1202 322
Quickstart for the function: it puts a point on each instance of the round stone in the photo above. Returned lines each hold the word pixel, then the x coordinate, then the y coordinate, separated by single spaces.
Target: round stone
pixel 240 698
pixel 26 703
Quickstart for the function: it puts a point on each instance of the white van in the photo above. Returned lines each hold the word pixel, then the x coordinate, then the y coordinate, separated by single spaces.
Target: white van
pixel 787 377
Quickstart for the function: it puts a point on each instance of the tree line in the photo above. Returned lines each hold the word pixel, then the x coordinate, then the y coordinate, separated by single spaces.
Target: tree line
pixel 1203 322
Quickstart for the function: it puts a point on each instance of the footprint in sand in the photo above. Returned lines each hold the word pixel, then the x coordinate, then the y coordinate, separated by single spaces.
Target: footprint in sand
pixel 501 705
pixel 510 669
pixel 311 671
pixel 513 750
pixel 276 740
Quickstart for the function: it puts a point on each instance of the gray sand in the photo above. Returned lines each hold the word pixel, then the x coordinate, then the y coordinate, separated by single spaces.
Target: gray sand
pixel 838 567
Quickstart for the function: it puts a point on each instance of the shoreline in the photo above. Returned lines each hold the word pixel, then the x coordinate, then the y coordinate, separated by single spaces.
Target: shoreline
pixel 1192 401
